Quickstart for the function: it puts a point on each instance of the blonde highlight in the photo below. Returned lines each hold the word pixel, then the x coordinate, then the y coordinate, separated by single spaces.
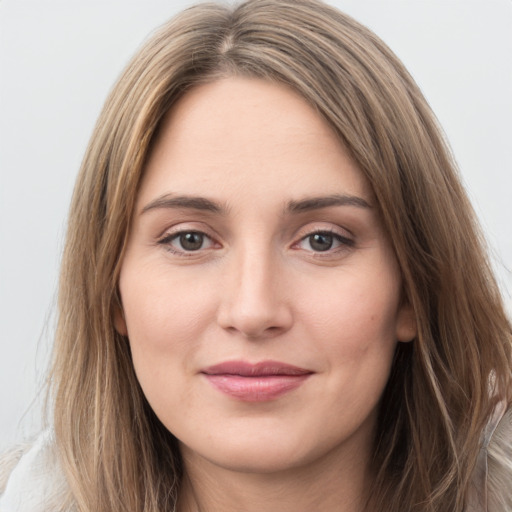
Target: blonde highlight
pixel 437 401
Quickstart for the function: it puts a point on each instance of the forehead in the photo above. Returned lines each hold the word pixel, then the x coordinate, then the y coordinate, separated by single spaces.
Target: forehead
pixel 250 136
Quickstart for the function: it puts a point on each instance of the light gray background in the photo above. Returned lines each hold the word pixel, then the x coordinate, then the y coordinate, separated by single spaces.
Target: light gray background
pixel 58 59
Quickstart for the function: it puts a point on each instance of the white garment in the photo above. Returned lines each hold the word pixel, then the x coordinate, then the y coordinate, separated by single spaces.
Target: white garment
pixel 36 482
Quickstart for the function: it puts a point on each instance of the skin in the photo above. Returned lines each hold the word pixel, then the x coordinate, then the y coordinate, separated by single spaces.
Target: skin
pixel 258 286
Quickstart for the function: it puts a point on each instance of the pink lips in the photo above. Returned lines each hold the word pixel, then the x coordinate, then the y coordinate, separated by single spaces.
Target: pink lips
pixel 258 382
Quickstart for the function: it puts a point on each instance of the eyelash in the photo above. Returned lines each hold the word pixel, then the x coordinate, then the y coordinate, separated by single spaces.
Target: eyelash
pixel 170 237
pixel 344 242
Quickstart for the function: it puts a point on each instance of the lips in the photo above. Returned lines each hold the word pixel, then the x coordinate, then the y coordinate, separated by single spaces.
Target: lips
pixel 260 382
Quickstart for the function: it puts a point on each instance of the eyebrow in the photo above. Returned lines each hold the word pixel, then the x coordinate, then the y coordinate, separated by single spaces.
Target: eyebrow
pixel 299 206
pixel 316 203
pixel 189 202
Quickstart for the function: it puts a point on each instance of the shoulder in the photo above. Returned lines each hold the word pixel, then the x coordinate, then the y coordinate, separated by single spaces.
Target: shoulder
pixel 499 460
pixel 31 479
pixel 8 462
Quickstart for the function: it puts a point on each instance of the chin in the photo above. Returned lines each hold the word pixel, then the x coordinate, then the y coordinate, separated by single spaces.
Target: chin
pixel 268 449
pixel 250 457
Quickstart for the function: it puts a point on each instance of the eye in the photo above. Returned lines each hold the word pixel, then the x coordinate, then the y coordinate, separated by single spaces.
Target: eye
pixel 323 241
pixel 187 241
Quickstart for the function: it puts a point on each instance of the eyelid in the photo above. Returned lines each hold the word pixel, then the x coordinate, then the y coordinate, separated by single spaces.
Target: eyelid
pixel 187 227
pixel 343 236
pixel 173 232
pixel 323 227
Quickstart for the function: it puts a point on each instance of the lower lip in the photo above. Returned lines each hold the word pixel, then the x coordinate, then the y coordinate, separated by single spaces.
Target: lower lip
pixel 257 388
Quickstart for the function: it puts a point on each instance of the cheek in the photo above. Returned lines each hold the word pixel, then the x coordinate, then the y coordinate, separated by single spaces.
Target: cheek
pixel 355 316
pixel 163 310
pixel 352 322
pixel 167 319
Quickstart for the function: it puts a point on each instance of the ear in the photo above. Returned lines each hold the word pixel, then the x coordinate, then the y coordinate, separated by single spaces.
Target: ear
pixel 119 321
pixel 406 326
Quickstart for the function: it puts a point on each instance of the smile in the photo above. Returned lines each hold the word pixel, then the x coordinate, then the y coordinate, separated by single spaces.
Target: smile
pixel 260 382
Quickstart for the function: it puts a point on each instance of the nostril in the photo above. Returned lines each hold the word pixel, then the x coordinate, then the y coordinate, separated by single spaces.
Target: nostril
pixel 256 326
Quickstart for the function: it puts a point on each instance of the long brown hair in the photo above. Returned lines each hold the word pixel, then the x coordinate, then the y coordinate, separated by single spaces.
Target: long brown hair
pixel 116 455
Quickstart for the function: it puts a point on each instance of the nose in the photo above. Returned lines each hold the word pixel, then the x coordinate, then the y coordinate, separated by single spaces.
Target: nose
pixel 254 300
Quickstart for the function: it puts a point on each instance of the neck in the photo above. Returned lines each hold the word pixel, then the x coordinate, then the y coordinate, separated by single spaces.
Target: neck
pixel 330 485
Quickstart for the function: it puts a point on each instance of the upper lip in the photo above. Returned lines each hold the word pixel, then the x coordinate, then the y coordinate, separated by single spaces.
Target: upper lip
pixel 260 369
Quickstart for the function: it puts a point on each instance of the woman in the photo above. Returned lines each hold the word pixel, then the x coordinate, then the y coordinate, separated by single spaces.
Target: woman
pixel 264 300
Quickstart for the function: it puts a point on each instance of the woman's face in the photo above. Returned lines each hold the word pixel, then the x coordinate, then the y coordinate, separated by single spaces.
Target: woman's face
pixel 260 294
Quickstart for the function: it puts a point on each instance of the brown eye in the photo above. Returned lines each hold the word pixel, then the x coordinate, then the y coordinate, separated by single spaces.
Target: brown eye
pixel 183 242
pixel 324 241
pixel 192 241
pixel 321 241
